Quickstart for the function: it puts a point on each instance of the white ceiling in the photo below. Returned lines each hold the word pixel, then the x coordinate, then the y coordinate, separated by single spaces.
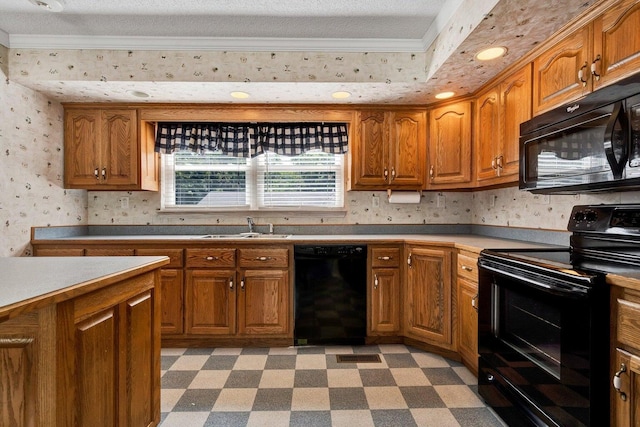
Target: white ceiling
pixel 281 25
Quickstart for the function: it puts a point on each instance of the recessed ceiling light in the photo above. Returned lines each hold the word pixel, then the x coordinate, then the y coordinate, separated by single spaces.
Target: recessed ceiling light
pixel 491 53
pixel 239 95
pixel 48 5
pixel 341 94
pixel 444 95
pixel 138 94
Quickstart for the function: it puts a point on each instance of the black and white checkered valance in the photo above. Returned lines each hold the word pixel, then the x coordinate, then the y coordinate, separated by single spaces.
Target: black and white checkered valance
pixel 251 139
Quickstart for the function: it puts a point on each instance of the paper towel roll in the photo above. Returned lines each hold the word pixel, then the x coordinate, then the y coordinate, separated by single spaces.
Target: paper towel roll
pixel 404 197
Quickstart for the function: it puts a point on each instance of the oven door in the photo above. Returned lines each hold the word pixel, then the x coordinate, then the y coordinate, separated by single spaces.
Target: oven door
pixel 543 346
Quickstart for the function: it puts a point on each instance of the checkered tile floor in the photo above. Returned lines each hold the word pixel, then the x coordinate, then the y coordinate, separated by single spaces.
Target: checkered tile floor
pixel 306 386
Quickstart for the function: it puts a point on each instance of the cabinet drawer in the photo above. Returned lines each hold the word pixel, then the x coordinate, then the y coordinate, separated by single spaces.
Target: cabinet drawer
pixel 468 266
pixel 215 257
pixel 267 257
pixel 628 322
pixel 109 252
pixel 175 255
pixel 385 257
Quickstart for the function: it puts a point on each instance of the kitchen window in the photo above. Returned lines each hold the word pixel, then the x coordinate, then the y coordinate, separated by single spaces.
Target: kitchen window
pixel 252 166
pixel 216 181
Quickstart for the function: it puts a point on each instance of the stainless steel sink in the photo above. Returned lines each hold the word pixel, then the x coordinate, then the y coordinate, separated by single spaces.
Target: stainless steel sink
pixel 244 236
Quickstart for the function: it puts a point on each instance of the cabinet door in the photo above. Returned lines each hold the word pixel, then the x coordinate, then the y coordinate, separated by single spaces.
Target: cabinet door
pixel 428 297
pixel 82 147
pixel 625 407
pixel 487 134
pixel 385 300
pixel 450 144
pixel 407 141
pixel 369 153
pixel 263 302
pixel 468 323
pixel 171 314
pixel 119 165
pixel 210 302
pixel 616 49
pixel 555 72
pixel 515 100
pixel 139 342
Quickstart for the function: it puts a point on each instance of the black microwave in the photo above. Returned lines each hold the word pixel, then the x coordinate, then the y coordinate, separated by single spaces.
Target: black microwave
pixel 589 145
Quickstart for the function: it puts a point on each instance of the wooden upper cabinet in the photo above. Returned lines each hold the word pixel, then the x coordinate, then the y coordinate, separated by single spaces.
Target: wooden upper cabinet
pixel 562 73
pixel 499 113
pixel 616 46
pixel 388 150
pixel 103 150
pixel 601 52
pixel 450 146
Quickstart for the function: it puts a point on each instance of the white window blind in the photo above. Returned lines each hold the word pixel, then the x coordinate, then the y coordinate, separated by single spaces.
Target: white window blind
pixel 214 181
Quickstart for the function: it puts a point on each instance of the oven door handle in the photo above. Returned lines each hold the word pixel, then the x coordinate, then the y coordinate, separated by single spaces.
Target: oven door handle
pixel 561 287
pixel 616 134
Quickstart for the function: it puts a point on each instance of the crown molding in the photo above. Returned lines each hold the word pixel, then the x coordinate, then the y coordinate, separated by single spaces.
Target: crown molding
pixel 27 41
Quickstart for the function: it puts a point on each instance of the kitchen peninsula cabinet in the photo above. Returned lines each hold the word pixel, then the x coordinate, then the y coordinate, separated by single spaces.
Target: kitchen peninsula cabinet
pixel 601 52
pixel 80 342
pixel 450 146
pixel 467 309
pixel 427 306
pixel 108 149
pixel 384 302
pixel 499 112
pixel 389 150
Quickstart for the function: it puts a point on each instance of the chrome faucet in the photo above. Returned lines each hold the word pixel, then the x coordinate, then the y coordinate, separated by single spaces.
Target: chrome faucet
pixel 251 224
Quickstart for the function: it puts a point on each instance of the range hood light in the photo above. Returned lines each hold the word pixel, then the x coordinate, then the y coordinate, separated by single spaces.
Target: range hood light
pixel 239 95
pixel 444 95
pixel 491 53
pixel 48 5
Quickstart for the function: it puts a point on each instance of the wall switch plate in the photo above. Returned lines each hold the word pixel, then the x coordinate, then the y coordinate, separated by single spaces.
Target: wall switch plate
pixel 375 201
pixel 492 200
pixel 440 201
pixel 124 203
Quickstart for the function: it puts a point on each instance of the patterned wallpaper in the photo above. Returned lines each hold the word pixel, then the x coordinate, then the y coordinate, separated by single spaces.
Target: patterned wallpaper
pixel 31 161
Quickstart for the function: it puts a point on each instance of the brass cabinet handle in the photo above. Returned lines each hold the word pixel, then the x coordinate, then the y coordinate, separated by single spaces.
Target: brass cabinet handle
pixel 384 258
pixel 581 74
pixel 104 173
pixel 263 258
pixel 409 260
pixel 231 283
pixel 466 268
pixel 95 173
pixel 431 172
pixel 393 173
pixel 375 281
pixel 474 302
pixel 385 174
pixel 593 68
pixel 617 381
pixel 242 284
pixel 211 258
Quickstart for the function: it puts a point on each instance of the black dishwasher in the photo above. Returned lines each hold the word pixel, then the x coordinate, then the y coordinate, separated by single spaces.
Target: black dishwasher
pixel 330 294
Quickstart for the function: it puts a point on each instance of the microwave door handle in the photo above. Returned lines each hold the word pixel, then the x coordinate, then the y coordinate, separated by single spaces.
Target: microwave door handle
pixel 617 117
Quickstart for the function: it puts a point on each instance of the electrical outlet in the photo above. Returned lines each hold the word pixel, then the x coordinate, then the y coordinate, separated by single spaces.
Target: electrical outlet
pixel 124 203
pixel 492 200
pixel 375 201
pixel 440 201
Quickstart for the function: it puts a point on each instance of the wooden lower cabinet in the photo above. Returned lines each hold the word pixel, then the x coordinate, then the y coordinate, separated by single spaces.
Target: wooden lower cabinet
pixel 263 302
pixel 625 357
pixel 427 307
pixel 466 309
pixel 384 290
pixel 210 302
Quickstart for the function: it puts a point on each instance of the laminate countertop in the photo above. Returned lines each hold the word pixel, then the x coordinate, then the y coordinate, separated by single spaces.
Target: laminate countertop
pixel 29 283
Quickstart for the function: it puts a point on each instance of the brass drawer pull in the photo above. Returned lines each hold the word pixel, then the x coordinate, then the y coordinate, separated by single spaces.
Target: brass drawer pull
pixel 211 258
pixel 263 258
pixel 385 258
pixel 466 268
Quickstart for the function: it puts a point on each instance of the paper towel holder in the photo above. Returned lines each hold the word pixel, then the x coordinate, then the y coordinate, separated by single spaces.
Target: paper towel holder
pixel 389 193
